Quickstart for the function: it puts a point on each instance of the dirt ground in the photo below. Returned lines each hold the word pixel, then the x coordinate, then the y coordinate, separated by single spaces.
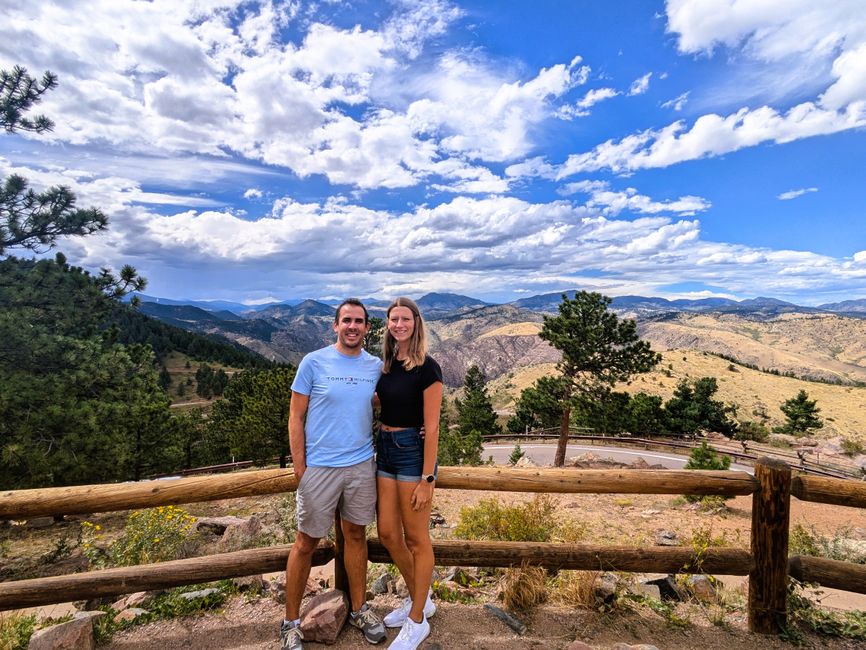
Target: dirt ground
pixel 253 625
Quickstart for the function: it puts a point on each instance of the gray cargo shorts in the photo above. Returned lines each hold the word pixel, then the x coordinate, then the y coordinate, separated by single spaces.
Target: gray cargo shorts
pixel 323 489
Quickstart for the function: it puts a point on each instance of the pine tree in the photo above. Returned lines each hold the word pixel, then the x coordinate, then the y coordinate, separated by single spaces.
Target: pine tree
pixel 29 219
pixel 801 414
pixel 706 457
pixel 250 421
pixel 598 350
pixel 540 405
pixel 516 454
pixel 692 409
pixel 475 411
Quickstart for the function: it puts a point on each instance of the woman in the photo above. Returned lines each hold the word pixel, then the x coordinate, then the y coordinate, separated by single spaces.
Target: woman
pixel 410 395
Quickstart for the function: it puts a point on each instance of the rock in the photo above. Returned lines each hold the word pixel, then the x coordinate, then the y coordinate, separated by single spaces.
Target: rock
pixel 76 634
pixel 240 536
pixel 666 538
pixel 669 588
pixel 92 615
pixel 278 590
pixel 382 584
pixel 858 533
pixel 314 585
pixel 650 513
pixel 647 589
pixel 217 525
pixel 130 614
pixel 578 645
pixel 255 584
pixel 604 589
pixel 781 440
pixel 525 461
pixel 436 519
pixel 702 588
pixel 40 522
pixel 201 593
pixel 323 616
pixel 400 588
pixel 640 463
pixel 461 576
pixel 640 646
pixel 138 599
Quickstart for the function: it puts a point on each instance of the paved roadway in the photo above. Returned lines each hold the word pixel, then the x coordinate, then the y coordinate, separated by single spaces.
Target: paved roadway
pixel 542 454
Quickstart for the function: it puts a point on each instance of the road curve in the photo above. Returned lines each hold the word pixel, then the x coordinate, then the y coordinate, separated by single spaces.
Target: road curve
pixel 543 453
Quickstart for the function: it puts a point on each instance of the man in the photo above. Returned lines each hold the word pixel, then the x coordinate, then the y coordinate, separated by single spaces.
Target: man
pixel 332 455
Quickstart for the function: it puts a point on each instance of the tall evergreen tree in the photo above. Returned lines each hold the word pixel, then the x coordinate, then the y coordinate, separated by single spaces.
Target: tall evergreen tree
pixel 475 411
pixel 475 418
pixel 598 350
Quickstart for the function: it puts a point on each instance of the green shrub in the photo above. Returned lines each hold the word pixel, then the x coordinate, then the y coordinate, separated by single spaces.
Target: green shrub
pixel 804 614
pixel 15 631
pixel 516 454
pixel 809 541
pixel 153 535
pixel 168 605
pixel 851 447
pixel 751 430
pixel 706 457
pixel 492 520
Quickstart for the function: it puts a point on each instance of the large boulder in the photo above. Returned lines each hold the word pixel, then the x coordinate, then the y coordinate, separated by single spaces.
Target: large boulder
pixel 76 634
pixel 323 616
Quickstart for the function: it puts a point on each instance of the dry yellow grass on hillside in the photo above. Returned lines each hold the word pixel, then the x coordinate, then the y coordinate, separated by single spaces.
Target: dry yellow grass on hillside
pixel 514 329
pixel 823 345
pixel 842 407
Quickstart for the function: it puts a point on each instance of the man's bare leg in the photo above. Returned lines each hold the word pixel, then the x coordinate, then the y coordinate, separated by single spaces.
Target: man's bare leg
pixel 298 572
pixel 355 562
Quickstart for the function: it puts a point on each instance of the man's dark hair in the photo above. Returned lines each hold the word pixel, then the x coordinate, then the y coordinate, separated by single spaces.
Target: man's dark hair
pixel 356 303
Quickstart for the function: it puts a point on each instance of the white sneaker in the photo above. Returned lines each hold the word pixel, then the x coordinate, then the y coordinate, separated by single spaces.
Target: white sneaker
pixel 411 635
pixel 397 617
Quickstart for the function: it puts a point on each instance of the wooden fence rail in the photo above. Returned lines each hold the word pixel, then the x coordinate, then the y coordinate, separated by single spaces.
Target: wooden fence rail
pixel 766 563
pixel 87 499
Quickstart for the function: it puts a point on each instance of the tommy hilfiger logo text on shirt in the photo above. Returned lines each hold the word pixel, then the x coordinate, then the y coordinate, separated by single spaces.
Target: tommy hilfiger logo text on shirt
pixel 351 381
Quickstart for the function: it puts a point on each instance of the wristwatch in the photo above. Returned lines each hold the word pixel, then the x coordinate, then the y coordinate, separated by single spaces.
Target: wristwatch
pixel 428 477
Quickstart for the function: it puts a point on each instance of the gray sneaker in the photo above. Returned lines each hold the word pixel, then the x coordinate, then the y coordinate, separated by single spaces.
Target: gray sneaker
pixel 370 624
pixel 291 638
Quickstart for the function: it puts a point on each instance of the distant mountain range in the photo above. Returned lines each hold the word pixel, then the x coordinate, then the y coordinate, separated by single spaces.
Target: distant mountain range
pixel 285 331
pixel 435 304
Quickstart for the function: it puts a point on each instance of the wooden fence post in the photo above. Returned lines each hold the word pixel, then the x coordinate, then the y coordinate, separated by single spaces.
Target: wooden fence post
pixel 768 580
pixel 341 578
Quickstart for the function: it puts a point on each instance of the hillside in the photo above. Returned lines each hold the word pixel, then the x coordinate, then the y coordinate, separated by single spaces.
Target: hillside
pixel 823 346
pixel 755 392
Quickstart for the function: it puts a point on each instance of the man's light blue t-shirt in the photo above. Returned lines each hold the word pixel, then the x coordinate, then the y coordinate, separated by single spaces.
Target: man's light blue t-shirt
pixel 339 423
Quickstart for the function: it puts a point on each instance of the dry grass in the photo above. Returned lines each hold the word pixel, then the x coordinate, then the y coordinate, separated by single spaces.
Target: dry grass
pixel 522 589
pixel 575 588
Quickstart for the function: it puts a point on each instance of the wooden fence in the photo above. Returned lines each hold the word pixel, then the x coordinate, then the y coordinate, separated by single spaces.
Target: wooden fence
pixel 766 562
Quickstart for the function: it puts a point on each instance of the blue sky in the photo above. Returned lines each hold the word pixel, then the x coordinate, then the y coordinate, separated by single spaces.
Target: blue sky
pixel 253 151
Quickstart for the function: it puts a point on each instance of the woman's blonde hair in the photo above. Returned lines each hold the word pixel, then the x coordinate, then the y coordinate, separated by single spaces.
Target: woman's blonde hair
pixel 417 343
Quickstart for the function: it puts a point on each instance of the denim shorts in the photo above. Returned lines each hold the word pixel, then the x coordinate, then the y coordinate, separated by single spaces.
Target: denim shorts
pixel 400 454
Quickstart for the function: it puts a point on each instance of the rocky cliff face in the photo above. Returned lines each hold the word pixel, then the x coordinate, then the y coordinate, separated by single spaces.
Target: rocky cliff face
pixel 494 355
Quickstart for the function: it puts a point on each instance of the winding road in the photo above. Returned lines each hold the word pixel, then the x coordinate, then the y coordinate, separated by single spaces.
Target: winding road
pixel 542 454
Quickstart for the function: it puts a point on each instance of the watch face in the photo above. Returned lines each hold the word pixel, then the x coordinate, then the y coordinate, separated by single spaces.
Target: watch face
pixel 429 478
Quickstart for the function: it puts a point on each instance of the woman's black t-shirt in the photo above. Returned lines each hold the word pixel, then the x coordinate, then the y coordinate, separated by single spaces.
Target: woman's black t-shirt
pixel 401 393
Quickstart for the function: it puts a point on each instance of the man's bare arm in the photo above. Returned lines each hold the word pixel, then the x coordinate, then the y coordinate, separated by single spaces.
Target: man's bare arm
pixel 297 437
